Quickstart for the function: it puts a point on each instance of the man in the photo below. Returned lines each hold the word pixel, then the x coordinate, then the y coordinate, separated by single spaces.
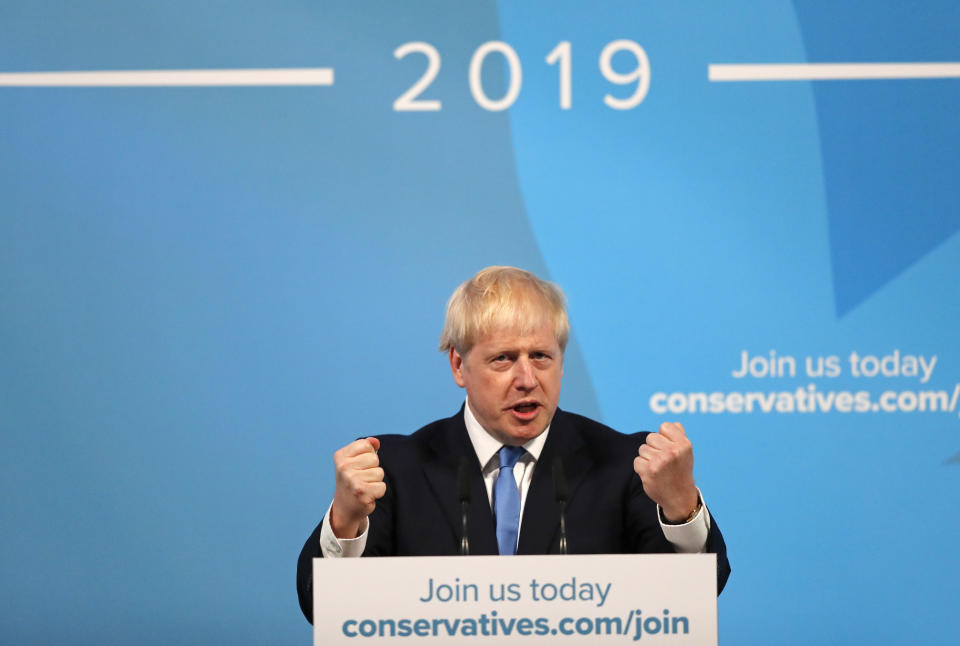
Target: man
pixel 504 335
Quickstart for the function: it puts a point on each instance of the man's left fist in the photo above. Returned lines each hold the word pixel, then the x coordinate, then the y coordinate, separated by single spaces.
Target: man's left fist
pixel 665 465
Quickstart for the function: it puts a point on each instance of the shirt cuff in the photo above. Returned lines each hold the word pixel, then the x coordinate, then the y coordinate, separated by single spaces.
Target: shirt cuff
pixel 333 548
pixel 690 537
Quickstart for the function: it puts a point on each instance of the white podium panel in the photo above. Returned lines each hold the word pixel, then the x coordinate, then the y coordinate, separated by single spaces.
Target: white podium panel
pixel 575 600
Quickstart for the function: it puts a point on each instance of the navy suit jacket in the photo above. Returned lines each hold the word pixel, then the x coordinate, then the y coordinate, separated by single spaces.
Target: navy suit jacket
pixel 607 509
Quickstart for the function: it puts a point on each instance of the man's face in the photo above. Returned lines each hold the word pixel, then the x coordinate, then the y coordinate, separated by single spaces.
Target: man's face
pixel 512 382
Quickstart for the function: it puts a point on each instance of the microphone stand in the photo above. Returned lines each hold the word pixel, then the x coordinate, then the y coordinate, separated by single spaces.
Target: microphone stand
pixel 560 491
pixel 463 487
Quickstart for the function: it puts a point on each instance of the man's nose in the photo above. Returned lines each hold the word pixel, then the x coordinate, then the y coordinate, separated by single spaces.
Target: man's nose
pixel 525 377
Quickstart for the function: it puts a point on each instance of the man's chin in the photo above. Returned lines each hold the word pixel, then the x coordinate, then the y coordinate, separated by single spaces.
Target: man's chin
pixel 516 433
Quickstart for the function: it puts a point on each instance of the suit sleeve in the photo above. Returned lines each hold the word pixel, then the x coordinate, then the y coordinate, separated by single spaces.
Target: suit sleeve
pixel 310 551
pixel 715 545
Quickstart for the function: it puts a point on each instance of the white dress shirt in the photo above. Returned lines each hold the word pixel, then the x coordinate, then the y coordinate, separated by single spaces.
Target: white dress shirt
pixel 690 537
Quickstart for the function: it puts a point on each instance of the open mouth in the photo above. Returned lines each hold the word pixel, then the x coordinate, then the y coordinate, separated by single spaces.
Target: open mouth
pixel 525 408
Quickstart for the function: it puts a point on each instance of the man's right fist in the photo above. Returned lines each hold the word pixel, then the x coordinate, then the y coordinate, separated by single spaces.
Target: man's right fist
pixel 359 485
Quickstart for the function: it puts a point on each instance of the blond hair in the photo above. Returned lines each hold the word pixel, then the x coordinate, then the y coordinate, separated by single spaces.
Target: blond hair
pixel 502 297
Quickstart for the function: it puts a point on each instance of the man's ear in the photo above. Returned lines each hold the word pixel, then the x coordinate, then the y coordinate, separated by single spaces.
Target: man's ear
pixel 456 367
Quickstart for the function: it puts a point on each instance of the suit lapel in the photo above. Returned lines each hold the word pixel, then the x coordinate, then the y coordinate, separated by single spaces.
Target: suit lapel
pixel 440 469
pixel 541 514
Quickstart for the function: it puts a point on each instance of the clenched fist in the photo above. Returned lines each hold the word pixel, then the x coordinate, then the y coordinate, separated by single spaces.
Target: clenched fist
pixel 359 485
pixel 665 465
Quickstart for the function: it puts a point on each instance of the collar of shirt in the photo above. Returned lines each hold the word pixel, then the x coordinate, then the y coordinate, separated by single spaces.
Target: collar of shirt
pixel 487 447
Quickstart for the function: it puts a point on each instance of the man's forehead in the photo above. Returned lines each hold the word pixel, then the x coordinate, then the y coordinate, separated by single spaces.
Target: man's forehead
pixel 515 337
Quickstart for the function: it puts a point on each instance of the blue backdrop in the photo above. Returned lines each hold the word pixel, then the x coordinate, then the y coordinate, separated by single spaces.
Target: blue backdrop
pixel 204 291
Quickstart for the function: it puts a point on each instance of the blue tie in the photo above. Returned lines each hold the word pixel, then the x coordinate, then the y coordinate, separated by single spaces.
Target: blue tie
pixel 506 500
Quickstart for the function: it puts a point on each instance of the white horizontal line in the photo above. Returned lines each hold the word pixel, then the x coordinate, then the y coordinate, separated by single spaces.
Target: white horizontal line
pixel 171 78
pixel 831 71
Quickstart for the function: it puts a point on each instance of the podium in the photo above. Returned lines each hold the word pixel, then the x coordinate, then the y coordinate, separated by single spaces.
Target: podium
pixel 558 600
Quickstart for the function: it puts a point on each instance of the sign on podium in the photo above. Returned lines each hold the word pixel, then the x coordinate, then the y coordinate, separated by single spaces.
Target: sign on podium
pixel 559 600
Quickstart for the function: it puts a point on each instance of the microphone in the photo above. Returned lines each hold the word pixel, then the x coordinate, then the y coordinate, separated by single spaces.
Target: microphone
pixel 560 492
pixel 463 490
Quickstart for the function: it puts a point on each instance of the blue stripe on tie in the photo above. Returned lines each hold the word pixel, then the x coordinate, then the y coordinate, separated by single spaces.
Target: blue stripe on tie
pixel 506 500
